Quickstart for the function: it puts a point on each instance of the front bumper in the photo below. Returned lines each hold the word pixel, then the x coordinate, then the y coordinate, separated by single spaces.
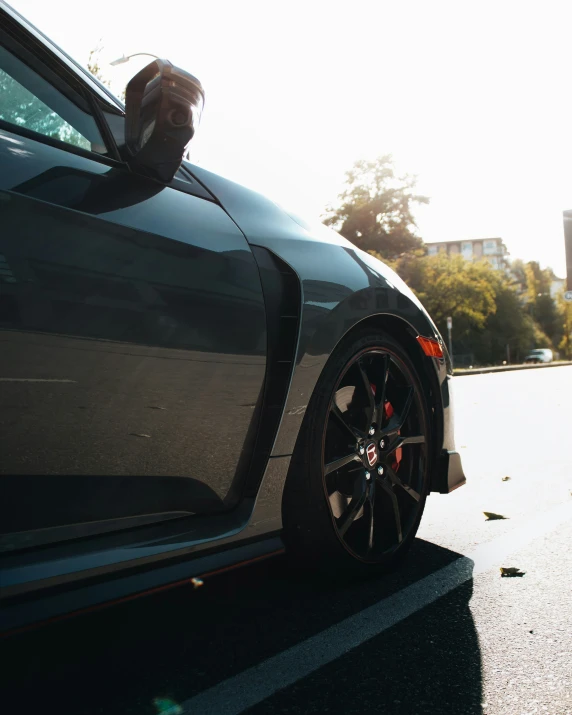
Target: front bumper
pixel 448 474
pixel 448 471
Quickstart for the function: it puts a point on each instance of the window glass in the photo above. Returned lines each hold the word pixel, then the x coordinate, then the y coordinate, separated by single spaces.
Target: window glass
pixel 29 101
pixel 467 249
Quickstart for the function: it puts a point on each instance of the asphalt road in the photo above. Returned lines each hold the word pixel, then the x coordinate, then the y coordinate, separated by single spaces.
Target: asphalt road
pixel 445 634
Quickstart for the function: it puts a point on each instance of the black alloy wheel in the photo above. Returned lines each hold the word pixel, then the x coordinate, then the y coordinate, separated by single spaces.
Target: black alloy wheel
pixel 374 447
pixel 360 473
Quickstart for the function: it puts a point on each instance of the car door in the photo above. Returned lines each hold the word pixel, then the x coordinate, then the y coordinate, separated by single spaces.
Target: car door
pixel 132 324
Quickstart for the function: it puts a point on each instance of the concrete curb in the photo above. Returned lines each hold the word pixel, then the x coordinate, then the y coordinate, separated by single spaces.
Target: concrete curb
pixel 507 368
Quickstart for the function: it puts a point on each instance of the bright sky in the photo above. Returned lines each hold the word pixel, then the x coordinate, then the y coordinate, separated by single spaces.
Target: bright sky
pixel 473 98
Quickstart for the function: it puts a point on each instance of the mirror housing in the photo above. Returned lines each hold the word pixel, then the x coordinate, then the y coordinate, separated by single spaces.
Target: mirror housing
pixel 163 106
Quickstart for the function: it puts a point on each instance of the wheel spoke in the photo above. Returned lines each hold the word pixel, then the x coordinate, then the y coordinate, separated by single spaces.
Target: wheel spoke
pixel 402 441
pixel 341 462
pixel 370 504
pixel 406 407
pixel 379 378
pixel 389 491
pixel 355 433
pixel 356 503
pixel 398 419
pixel 398 483
pixel 414 439
pixel 368 391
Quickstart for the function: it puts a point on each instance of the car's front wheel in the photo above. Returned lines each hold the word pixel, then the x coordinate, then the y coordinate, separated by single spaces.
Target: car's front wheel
pixel 360 472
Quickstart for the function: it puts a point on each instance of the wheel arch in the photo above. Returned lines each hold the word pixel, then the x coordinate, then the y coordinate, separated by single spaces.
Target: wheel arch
pixel 302 507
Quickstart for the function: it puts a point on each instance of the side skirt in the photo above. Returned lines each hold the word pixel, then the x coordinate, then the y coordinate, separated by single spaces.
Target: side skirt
pixel 15 617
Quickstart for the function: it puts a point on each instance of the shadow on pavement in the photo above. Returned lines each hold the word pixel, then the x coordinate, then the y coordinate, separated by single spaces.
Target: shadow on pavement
pixel 428 664
pixel 178 643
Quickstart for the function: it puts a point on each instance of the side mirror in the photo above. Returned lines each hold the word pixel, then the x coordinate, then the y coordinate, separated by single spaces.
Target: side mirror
pixel 163 106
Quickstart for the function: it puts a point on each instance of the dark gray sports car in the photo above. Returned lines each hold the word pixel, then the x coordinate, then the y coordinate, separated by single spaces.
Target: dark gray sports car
pixel 190 377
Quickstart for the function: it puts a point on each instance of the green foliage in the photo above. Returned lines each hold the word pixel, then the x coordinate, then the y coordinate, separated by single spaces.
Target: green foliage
pixel 540 304
pixel 518 273
pixel 459 288
pixel 93 65
pixel 564 311
pixel 374 210
pixel 509 325
pixel 451 286
pixel 487 305
pixel 495 313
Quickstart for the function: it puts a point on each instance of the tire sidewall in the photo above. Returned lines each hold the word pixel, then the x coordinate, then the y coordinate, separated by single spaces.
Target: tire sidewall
pixel 322 537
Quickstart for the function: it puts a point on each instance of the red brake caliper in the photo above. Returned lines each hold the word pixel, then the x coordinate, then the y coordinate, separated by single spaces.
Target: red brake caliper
pixel 388 412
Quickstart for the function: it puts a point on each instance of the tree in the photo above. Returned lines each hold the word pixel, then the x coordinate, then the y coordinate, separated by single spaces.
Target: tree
pixel 451 286
pixel 518 273
pixel 565 314
pixel 93 65
pixel 485 305
pixel 508 326
pixel 539 302
pixel 374 210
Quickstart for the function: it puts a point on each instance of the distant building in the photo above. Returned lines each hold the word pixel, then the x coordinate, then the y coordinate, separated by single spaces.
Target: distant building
pixel 491 249
pixel 556 285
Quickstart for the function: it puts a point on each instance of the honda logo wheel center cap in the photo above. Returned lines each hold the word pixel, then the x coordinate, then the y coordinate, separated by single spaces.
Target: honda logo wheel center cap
pixel 371 454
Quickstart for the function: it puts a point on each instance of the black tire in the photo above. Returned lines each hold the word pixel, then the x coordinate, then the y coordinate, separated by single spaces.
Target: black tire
pixel 319 499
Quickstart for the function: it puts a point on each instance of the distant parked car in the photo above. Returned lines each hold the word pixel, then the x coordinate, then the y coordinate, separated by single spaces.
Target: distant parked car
pixel 539 355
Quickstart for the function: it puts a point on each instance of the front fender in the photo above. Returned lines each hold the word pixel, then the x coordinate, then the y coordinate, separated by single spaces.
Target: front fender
pixel 329 311
pixel 340 287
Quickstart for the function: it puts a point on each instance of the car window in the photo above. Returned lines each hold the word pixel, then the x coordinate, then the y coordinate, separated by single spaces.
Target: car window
pixel 28 101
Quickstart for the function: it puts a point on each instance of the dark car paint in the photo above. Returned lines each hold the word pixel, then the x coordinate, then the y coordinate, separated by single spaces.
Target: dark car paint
pixel 340 287
pixel 156 328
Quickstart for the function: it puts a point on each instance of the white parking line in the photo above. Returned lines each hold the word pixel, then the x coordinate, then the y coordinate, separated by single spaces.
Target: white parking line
pixel 32 379
pixel 255 684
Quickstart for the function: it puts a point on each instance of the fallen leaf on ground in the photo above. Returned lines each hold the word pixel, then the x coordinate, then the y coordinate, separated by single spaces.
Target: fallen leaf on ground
pixel 511 571
pixel 491 516
pixel 506 479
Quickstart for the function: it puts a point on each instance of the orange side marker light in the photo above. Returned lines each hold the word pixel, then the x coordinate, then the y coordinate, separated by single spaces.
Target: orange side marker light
pixel 430 346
